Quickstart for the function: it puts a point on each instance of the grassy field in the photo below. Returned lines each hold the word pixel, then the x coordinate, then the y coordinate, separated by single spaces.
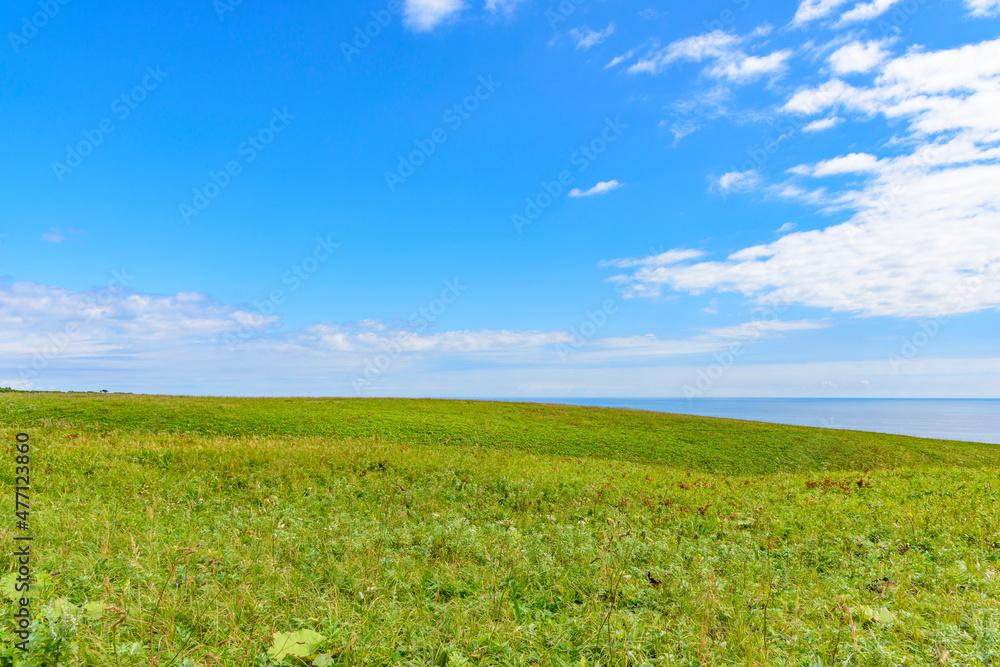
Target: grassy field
pixel 182 531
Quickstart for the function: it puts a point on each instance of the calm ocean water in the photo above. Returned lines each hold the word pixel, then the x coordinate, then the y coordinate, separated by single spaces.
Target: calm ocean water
pixel 968 420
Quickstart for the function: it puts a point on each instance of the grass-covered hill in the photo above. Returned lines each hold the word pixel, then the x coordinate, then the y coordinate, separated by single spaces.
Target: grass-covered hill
pixel 202 532
pixel 691 443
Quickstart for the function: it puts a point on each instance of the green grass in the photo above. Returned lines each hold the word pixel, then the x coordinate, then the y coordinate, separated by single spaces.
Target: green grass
pixel 689 443
pixel 425 532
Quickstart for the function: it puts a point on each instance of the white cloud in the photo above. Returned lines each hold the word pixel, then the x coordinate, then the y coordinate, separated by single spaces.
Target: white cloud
pixel 811 10
pixel 809 101
pixel 858 57
pixel 423 15
pixel 853 163
pixel 34 316
pixel 618 60
pixel 866 11
pixel 727 53
pixel 923 234
pixel 787 227
pixel 983 8
pixel 489 347
pixel 755 328
pixel 754 252
pixel 651 14
pixel 738 181
pixel 940 91
pixel 822 124
pixel 663 259
pixel 54 235
pixel 691 114
pixel 504 6
pixel 587 38
pixel 601 188
pixel 681 129
pixel 54 338
pixel 52 335
pixel 748 68
pixel 347 338
pixel 715 44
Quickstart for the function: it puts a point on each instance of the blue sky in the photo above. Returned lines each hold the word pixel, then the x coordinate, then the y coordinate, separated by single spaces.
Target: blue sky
pixel 509 198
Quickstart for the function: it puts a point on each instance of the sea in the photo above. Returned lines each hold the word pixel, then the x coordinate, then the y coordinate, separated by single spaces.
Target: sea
pixel 947 419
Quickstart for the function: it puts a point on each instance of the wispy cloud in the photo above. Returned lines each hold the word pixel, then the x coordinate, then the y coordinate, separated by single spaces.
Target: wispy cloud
pixel 120 340
pixel 54 235
pixel 132 337
pixel 893 257
pixel 866 11
pixel 748 68
pixel 716 44
pixel 822 124
pixel 852 163
pixel 725 53
pixel 619 59
pixel 738 181
pixel 586 38
pixel 502 6
pixel 663 259
pixel 812 10
pixel 983 7
pixel 601 188
pixel 57 235
pixel 424 15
